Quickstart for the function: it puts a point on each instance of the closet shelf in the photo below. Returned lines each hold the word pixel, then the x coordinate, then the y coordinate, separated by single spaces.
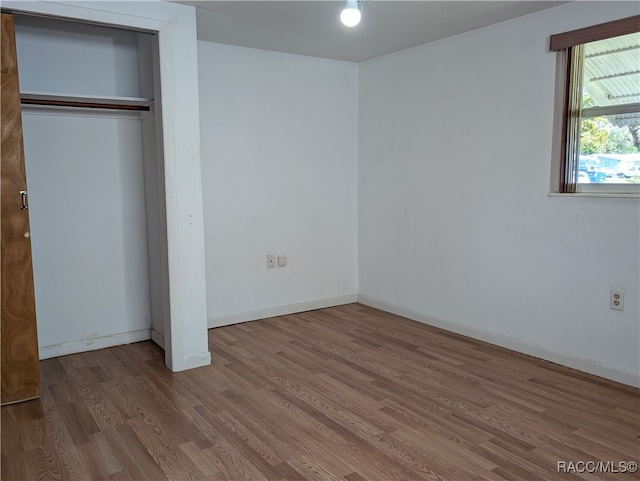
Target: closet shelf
pixel 86 101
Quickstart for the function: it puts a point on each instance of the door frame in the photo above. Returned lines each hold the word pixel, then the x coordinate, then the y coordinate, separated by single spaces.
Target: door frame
pixel 185 326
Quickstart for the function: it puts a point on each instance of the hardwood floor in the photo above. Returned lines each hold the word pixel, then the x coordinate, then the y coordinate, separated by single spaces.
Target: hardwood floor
pixel 347 393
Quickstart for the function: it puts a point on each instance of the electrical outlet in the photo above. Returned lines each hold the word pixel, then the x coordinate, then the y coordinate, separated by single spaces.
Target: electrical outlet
pixel 282 260
pixel 271 261
pixel 616 300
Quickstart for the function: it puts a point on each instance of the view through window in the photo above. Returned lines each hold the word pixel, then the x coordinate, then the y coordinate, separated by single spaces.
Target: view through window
pixel 608 144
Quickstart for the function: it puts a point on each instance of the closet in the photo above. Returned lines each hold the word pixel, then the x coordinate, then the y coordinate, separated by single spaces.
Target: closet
pixel 95 183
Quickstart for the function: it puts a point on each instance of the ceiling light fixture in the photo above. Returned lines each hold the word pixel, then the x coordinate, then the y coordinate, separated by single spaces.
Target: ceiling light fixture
pixel 352 13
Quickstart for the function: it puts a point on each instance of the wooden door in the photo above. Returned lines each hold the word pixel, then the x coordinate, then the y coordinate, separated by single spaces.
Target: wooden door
pixel 19 356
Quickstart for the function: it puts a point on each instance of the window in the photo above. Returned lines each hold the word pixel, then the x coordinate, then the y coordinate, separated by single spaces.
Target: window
pixel 601 125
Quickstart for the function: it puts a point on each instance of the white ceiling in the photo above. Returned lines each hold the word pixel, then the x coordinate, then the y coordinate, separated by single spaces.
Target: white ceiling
pixel 313 27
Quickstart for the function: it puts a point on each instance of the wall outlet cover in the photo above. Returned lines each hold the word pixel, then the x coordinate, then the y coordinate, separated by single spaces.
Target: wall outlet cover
pixel 616 300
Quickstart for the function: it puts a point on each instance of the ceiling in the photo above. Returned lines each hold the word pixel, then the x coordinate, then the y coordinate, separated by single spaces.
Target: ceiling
pixel 313 28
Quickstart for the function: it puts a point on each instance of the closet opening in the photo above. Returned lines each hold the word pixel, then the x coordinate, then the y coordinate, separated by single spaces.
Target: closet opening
pixel 91 115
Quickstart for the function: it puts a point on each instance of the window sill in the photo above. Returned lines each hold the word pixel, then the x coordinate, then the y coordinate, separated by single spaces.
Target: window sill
pixel 609 195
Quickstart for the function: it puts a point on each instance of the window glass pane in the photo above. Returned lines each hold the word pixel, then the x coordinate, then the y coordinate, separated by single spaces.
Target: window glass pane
pixel 612 71
pixel 610 139
pixel 608 150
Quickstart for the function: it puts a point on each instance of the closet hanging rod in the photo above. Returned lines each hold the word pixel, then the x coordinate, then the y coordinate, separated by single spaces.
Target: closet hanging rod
pixel 109 103
pixel 86 105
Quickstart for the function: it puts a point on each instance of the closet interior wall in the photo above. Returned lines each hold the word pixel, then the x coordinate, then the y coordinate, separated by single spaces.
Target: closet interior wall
pixel 95 181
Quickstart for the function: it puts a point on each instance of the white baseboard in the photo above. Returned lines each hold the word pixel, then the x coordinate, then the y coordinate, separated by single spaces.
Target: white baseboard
pixel 94 343
pixel 227 319
pixel 582 364
pixel 196 360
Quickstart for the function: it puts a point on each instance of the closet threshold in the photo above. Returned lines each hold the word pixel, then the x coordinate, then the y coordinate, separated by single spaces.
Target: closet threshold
pixel 83 101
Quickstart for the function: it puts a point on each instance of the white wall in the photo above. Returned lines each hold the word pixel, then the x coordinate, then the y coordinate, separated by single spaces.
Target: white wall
pixel 279 140
pixel 456 227
pixel 89 239
pixel 85 59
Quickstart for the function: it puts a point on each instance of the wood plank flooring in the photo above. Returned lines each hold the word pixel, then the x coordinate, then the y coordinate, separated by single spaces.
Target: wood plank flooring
pixel 347 393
